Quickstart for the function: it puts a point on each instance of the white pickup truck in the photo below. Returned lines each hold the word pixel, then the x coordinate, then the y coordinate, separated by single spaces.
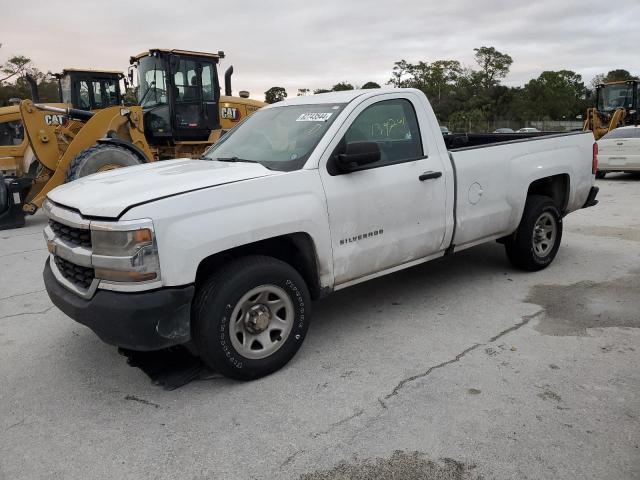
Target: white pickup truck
pixel 307 196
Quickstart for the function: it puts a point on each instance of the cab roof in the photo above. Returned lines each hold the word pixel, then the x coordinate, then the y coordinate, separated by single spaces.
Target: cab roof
pixel 188 53
pixel 618 82
pixel 345 96
pixel 91 71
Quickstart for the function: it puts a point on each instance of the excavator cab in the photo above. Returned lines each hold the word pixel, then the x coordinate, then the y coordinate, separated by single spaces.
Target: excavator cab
pixel 90 89
pixel 179 93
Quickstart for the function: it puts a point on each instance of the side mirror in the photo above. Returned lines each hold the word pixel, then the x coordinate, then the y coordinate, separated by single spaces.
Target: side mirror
pixel 358 154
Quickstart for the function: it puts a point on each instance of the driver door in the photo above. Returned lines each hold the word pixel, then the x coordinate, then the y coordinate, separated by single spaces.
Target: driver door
pixel 383 215
pixel 195 99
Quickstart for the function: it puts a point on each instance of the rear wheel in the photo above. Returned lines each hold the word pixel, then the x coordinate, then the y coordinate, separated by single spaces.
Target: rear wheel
pixel 251 317
pixel 600 174
pixel 535 243
pixel 100 158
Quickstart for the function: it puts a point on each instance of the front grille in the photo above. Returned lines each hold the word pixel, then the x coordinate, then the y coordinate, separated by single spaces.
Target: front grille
pixel 79 276
pixel 75 236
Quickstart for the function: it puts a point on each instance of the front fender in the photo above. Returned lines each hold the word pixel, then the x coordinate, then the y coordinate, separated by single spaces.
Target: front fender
pixel 195 225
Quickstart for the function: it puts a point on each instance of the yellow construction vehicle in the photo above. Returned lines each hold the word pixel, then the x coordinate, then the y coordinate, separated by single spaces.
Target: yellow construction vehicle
pixel 617 105
pixel 180 113
pixel 19 166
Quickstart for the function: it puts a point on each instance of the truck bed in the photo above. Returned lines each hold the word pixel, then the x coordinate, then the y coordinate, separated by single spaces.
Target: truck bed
pixel 491 170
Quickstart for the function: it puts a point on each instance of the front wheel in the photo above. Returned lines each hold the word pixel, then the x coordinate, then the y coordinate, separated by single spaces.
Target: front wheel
pixel 535 243
pixel 251 317
pixel 100 158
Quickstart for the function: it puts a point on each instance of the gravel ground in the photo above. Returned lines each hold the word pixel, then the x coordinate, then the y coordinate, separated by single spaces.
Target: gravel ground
pixel 462 368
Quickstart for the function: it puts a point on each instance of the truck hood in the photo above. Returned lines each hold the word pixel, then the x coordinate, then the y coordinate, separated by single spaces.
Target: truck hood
pixel 109 194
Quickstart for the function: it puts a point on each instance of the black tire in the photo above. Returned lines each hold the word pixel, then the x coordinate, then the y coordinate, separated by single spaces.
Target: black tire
pixel 93 159
pixel 4 195
pixel 522 249
pixel 221 294
pixel 600 174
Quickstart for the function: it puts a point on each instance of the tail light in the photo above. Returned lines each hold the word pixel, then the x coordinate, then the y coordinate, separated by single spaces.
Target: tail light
pixel 594 161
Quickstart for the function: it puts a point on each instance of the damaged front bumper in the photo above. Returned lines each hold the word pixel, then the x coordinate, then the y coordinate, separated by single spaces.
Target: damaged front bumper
pixel 143 321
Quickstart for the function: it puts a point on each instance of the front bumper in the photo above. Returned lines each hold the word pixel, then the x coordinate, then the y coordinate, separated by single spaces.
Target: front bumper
pixel 137 321
pixel 591 199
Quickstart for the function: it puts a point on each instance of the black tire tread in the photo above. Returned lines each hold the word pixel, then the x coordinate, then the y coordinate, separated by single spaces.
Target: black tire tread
pixel 517 245
pixel 210 288
pixel 77 162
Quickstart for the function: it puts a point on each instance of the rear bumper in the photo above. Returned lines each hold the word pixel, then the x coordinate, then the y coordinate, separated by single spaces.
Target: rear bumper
pixel 621 163
pixel 591 199
pixel 137 321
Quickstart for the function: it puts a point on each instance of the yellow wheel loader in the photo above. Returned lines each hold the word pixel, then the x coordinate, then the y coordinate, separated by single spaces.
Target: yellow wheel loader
pixel 180 113
pixel 617 104
pixel 21 173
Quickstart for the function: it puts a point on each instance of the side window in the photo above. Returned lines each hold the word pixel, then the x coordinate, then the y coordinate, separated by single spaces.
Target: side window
pixel 186 82
pixel 208 95
pixel 111 94
pixel 85 100
pixel 393 125
pixel 97 94
pixel 11 133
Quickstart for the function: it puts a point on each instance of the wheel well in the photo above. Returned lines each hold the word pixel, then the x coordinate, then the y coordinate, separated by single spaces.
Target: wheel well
pixel 556 187
pixel 111 139
pixel 296 249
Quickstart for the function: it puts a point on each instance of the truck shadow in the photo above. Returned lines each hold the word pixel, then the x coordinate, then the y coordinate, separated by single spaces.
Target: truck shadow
pixel 428 281
pixel 621 177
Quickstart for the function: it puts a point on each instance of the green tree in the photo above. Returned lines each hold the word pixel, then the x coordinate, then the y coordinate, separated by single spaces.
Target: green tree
pixel 275 94
pixel 494 65
pixel 321 90
pixel 14 67
pixel 342 86
pixel 400 69
pixel 19 88
pixel 619 75
pixel 555 95
pixel 467 121
pixel 370 85
pixel 303 91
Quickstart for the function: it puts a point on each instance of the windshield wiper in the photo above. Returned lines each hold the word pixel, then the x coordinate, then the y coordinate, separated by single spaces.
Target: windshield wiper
pixel 235 159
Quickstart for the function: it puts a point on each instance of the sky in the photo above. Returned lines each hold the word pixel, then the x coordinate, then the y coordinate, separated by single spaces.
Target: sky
pixel 303 44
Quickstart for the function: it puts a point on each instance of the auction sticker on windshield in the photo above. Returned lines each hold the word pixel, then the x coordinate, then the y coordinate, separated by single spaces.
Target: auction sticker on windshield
pixel 314 117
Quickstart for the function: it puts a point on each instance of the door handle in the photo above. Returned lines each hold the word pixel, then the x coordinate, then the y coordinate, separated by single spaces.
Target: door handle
pixel 429 176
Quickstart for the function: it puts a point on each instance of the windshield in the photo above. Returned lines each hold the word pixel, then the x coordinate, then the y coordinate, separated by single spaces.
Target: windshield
pixel 633 132
pixel 152 89
pixel 280 138
pixel 615 96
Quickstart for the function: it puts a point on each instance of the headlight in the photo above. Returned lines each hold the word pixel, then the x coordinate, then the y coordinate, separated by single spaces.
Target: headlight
pixel 120 244
pixel 124 253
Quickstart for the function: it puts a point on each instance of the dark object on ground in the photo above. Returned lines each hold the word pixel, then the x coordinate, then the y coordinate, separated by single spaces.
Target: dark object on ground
pixel 170 368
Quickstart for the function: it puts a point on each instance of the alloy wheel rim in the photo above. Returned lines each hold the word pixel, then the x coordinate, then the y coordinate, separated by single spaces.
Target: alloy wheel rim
pixel 261 321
